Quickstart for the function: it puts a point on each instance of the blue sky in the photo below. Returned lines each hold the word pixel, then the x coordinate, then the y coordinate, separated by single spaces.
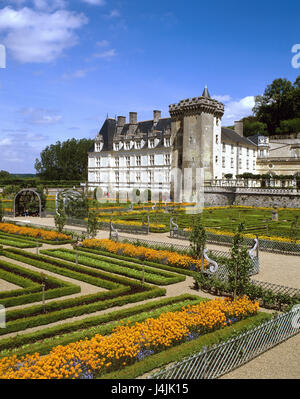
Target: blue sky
pixel 72 62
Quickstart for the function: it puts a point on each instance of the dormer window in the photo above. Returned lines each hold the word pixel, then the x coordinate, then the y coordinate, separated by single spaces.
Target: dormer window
pixel 167 142
pixel 98 147
pixel 127 145
pixel 117 146
pixel 138 145
pixel 151 143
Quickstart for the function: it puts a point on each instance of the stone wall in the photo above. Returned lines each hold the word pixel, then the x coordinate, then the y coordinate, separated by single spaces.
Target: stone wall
pixel 268 198
pixel 281 201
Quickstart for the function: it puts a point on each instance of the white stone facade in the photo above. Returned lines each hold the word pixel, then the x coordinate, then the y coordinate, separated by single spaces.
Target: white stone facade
pixel 141 155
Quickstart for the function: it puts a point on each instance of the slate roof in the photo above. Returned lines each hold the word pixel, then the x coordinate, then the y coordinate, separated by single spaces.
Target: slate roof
pixel 109 131
pixel 229 135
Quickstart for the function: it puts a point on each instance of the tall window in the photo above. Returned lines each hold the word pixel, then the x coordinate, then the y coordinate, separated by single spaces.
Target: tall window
pixel 98 177
pixel 232 149
pixel 117 162
pixel 128 177
pixel 167 176
pixel 127 161
pixel 224 147
pixel 223 162
pixel 247 151
pixel 247 164
pixel 231 163
pixel 151 159
pixel 167 142
pixel 138 177
pixel 98 162
pixel 98 147
pixel 127 145
pixel 167 159
pixel 117 146
pixel 240 163
pixel 138 145
pixel 217 139
pixel 117 177
pixel 138 160
pixel 150 176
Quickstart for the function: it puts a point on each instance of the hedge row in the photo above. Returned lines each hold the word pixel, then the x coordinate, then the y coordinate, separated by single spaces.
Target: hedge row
pixel 30 239
pixel 125 268
pixel 59 266
pixel 53 287
pixel 161 266
pixel 124 291
pixel 266 297
pixel 88 327
pixel 27 284
pixel 42 319
pixel 103 280
pixel 16 243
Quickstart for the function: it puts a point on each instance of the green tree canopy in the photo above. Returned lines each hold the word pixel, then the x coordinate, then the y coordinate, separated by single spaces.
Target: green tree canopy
pixel 280 102
pixel 64 160
pixel 4 174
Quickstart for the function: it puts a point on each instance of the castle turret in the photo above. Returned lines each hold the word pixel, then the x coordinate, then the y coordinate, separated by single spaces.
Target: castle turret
pixel 196 127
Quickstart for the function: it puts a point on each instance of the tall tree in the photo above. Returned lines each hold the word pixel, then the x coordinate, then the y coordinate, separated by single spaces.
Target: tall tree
pixel 276 104
pixel 64 160
pixel 4 174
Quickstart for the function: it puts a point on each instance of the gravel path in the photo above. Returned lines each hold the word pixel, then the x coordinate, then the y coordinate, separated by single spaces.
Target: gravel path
pixel 281 362
pixel 6 286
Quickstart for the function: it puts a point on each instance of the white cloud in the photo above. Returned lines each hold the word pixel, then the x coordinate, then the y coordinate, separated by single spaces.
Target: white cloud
pixel 48 5
pixel 78 74
pixel 106 54
pixel 38 36
pixel 95 2
pixel 40 116
pixel 19 151
pixel 236 110
pixel 224 98
pixel 114 13
pixel 103 43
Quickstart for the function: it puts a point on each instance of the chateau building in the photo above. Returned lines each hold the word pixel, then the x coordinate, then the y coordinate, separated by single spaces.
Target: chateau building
pixel 142 155
pixel 278 155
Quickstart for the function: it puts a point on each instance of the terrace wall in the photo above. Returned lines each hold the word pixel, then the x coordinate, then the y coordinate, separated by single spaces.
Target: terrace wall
pixel 264 197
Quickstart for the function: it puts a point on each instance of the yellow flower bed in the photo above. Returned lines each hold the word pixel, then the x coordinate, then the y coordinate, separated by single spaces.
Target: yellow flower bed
pixel 31 232
pixel 169 257
pixel 133 223
pixel 127 343
pixel 248 235
pixel 250 207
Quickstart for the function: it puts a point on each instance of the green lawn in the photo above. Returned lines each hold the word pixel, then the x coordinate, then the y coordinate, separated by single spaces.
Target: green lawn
pixel 257 221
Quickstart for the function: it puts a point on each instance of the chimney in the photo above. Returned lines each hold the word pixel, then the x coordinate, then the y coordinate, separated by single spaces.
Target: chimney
pixel 239 127
pixel 133 118
pixel 156 116
pixel 121 121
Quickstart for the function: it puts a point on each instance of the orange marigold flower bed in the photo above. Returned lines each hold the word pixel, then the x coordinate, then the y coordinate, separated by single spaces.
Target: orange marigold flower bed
pixel 32 232
pixel 165 256
pixel 127 344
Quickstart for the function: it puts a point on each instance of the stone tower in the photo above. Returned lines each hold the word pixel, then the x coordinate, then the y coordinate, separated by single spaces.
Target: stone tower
pixel 196 136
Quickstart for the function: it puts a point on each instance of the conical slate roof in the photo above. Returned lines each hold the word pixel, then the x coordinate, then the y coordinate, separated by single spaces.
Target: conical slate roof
pixel 205 93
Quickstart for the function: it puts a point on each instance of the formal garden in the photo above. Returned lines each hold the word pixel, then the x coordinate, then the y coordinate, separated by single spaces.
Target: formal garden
pixel 87 308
